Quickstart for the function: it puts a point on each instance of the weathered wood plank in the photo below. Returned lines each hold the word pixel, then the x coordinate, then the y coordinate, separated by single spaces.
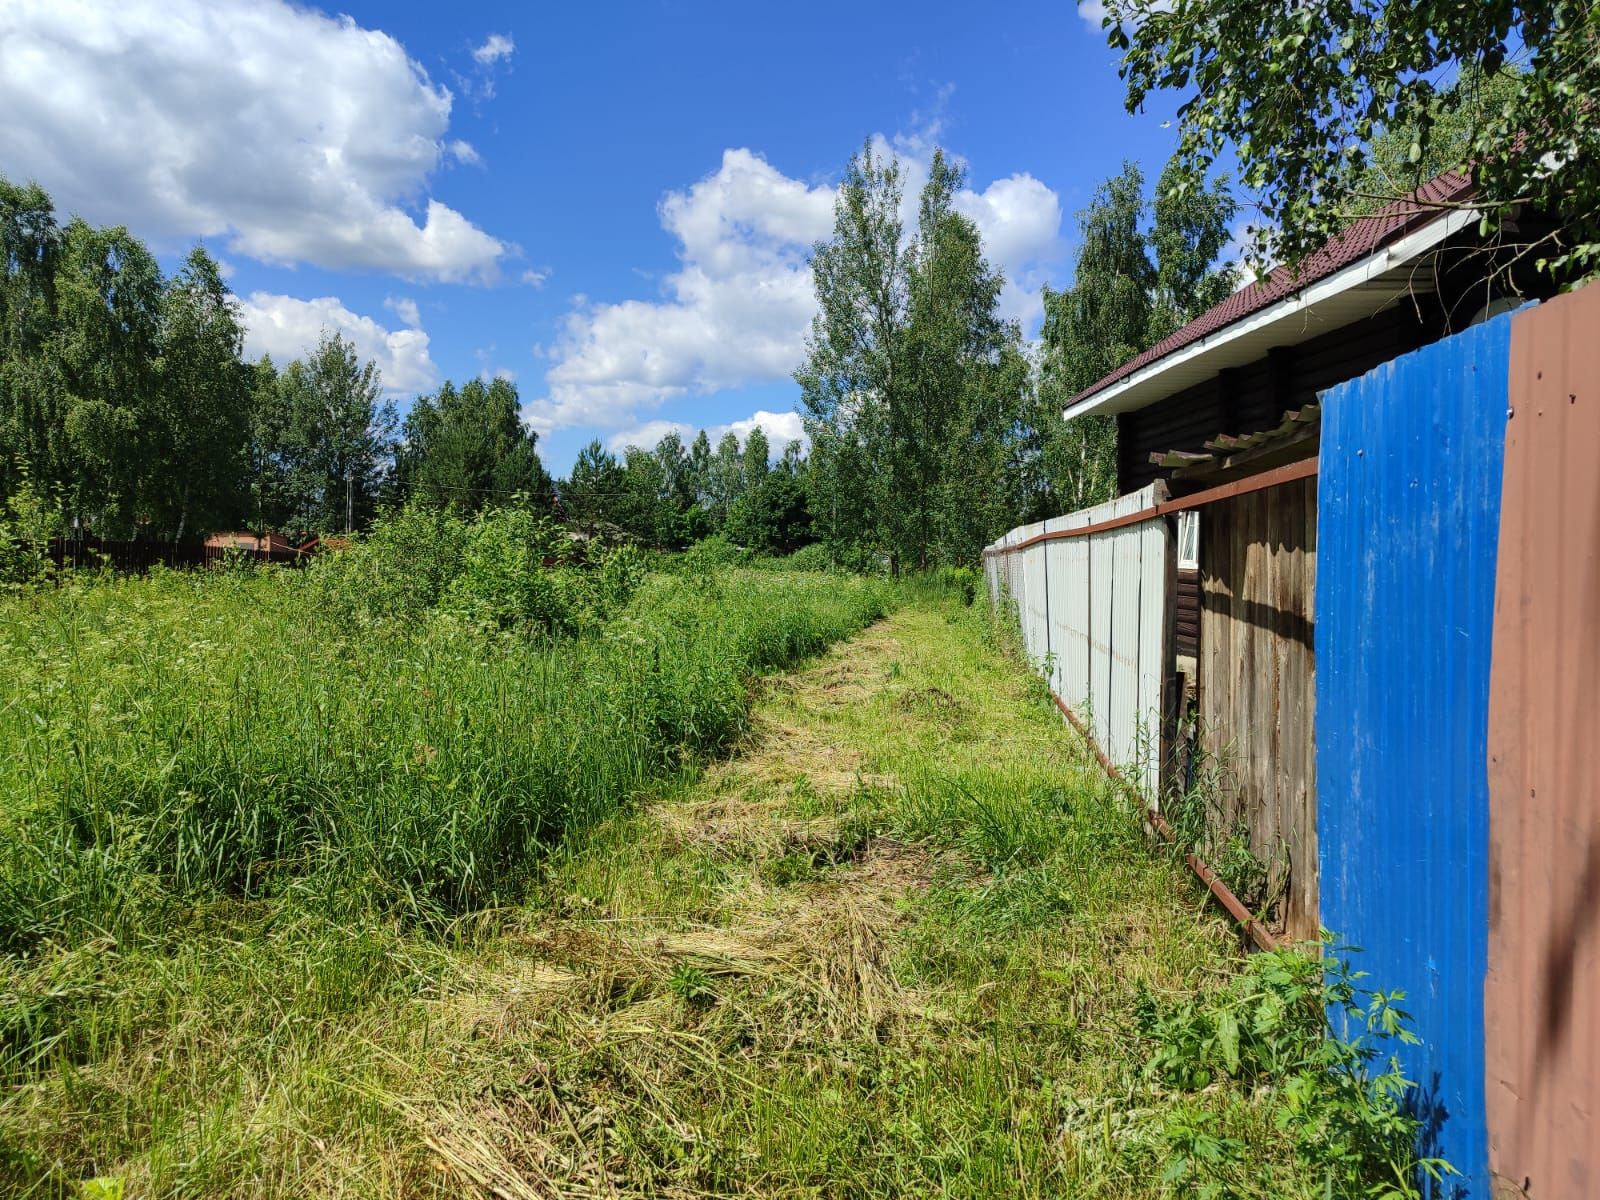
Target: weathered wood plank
pixel 1257 670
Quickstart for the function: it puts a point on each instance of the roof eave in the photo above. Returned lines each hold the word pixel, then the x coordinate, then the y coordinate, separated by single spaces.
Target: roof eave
pixel 1253 335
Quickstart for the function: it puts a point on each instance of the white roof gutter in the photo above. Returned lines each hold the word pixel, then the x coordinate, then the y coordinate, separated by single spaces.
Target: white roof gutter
pixel 1248 339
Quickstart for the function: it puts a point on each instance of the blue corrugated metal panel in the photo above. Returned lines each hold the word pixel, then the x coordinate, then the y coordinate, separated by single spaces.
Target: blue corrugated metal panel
pixel 1407 529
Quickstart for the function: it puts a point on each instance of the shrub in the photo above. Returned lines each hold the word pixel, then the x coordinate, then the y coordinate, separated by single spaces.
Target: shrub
pixel 27 523
pixel 815 557
pixel 500 569
pixel 398 572
pixel 711 552
pixel 502 581
pixel 861 559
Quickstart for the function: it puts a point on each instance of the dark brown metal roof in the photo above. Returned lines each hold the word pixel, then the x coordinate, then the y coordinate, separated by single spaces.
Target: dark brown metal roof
pixel 1364 237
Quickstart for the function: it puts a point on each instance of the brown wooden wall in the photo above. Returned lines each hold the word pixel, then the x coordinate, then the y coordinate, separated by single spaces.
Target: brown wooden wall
pixel 1188 612
pixel 1256 691
pixel 1251 398
pixel 1451 289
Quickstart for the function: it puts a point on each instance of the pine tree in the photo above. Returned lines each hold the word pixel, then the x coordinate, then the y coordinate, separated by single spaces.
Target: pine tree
pixel 591 493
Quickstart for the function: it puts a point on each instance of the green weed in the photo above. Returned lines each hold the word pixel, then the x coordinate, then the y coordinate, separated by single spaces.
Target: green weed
pixel 1339 1099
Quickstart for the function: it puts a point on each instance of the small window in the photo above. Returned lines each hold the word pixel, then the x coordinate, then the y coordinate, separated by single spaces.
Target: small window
pixel 1189 540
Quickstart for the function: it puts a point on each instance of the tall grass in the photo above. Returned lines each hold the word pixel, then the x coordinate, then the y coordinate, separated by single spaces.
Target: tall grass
pixel 192 736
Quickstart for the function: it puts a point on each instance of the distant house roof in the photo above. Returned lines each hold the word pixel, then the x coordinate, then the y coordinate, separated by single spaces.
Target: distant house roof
pixel 267 543
pixel 327 541
pixel 246 540
pixel 1351 277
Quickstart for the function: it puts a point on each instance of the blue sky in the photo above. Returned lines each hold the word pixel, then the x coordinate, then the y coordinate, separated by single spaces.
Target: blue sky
pixel 610 204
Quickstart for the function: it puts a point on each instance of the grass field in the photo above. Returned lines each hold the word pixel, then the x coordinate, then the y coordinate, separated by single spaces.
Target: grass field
pixel 688 905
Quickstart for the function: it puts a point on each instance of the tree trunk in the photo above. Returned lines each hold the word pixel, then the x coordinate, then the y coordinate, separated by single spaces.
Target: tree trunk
pixel 183 514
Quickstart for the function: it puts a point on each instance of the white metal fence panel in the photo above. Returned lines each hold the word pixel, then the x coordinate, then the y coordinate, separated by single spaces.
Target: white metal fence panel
pixel 1121 724
pixel 1102 575
pixel 1099 605
pixel 1071 583
pixel 1014 574
pixel 1053 602
pixel 1156 618
pixel 1036 589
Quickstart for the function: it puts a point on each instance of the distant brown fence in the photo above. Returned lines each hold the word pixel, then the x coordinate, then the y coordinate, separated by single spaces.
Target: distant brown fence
pixel 134 556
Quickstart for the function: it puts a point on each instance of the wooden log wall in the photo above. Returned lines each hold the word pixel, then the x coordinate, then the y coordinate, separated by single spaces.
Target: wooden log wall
pixel 1258 564
pixel 1189 612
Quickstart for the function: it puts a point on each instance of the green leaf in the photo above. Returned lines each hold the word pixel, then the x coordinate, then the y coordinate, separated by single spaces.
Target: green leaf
pixel 1228 1039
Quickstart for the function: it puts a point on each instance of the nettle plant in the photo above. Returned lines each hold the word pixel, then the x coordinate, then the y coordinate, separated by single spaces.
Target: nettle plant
pixel 1314 1044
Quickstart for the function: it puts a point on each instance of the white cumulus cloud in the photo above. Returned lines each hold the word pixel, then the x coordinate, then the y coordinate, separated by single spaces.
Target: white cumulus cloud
pixel 288 328
pixel 1020 220
pixel 297 137
pixel 737 309
pixel 495 47
pixel 1094 12
pixel 406 309
pixel 781 428
pixel 735 312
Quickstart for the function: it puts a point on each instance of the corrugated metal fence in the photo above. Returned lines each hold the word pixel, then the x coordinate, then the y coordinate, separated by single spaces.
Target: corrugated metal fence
pixel 1097 610
pixel 138 557
pixel 1542 1041
pixel 1409 517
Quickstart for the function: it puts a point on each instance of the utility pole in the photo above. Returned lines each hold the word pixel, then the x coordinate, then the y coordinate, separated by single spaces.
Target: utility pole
pixel 349 493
